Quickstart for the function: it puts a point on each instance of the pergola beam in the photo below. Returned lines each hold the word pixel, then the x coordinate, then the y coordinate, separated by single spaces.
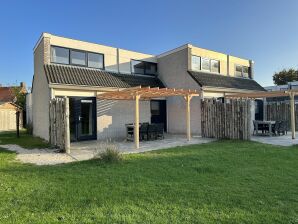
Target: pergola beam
pixel 273 94
pixel 146 93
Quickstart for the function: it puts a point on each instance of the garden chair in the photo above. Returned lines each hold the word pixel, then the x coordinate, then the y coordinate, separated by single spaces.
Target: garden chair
pixel 144 131
pixel 152 132
pixel 160 131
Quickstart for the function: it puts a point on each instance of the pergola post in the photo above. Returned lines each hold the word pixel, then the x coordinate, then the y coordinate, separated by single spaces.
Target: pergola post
pixel 67 131
pixel 137 121
pixel 292 98
pixel 188 134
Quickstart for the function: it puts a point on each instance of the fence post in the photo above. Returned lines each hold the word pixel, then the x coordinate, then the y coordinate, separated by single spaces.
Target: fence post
pixel 67 131
pixel 292 97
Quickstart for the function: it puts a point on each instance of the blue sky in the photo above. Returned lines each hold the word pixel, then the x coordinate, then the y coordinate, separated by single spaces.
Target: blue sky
pixel 263 30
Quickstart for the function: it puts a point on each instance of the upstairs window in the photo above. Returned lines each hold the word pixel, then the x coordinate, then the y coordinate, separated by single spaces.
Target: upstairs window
pixel 245 72
pixel 238 71
pixel 206 64
pixel 95 60
pixel 137 67
pixel 214 66
pixel 195 63
pixel 143 67
pixel 150 68
pixel 60 55
pixel 78 58
pixel 242 71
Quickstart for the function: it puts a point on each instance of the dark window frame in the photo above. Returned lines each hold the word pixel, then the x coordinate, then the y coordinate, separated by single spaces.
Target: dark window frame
pixel 210 60
pixel 51 51
pixel 200 68
pixel 242 71
pixel 144 73
pixel 70 57
pixel 103 60
pixel 218 65
pixel 86 57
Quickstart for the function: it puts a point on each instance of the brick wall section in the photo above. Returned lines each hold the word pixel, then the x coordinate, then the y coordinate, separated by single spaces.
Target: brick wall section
pixel 47 50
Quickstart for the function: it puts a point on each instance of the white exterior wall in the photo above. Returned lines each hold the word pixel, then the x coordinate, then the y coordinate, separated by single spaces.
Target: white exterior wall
pixel 40 93
pixel 172 70
pixel 113 115
pixel 29 109
pixel 112 55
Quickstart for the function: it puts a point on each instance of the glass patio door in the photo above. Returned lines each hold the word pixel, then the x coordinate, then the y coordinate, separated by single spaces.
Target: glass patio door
pixel 83 118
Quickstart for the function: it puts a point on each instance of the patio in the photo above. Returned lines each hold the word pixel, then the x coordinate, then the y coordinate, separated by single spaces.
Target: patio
pixel 87 149
pixel 282 140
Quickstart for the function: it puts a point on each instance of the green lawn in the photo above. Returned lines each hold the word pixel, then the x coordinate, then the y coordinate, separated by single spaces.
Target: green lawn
pixel 220 182
pixel 25 140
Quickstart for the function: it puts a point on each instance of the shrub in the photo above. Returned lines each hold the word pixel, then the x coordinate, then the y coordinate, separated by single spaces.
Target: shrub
pixel 108 152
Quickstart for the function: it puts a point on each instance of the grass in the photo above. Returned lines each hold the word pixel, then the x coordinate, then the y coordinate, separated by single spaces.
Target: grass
pixel 26 141
pixel 220 182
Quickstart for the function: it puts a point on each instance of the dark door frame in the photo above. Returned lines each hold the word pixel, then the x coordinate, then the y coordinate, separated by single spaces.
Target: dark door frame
pixel 162 117
pixel 76 112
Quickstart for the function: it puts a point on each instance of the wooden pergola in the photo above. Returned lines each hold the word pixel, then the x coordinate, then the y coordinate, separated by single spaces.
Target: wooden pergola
pixel 272 94
pixel 146 93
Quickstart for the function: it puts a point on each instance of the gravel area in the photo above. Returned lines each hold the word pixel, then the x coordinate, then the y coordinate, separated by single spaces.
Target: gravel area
pixel 39 156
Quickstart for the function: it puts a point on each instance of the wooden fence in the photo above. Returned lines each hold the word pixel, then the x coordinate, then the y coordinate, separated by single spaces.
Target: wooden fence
pixel 228 120
pixel 281 111
pixel 57 122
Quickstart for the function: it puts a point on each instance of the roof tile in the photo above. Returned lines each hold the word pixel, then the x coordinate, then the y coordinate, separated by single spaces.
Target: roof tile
pixel 214 80
pixel 65 74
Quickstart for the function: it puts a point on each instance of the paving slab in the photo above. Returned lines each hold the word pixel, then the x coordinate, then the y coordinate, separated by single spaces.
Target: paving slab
pixel 282 140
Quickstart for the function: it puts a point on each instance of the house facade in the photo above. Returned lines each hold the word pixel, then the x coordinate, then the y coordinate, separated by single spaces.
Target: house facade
pixel 65 67
pixel 289 86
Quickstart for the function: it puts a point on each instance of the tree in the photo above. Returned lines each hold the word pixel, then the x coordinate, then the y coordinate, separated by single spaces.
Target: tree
pixel 20 96
pixel 285 76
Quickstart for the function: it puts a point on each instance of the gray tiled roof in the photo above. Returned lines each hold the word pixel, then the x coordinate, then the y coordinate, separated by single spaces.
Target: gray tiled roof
pixel 214 80
pixel 72 75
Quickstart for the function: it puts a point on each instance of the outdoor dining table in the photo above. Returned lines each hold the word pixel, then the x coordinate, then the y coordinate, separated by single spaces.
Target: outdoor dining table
pixel 269 123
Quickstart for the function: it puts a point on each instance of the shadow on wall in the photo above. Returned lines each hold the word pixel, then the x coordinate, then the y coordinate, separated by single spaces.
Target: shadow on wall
pixel 113 115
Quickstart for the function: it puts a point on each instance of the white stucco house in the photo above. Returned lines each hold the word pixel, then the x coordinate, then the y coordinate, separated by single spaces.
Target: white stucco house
pixel 80 70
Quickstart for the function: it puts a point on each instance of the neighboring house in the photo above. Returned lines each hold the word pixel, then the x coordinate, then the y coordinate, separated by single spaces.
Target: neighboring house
pixel 289 86
pixel 81 70
pixel 8 108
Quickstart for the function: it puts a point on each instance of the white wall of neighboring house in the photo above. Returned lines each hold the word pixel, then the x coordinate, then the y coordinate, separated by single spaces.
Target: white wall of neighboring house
pixel 29 109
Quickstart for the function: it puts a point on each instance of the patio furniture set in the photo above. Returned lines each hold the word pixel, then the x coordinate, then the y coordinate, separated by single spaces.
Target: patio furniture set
pixel 146 131
pixel 270 127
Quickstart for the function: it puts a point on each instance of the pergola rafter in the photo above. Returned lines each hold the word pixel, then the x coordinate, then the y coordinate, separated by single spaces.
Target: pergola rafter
pixel 146 93
pixel 262 94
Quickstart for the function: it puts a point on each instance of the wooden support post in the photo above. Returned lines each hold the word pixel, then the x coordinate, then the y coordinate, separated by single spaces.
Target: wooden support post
pixel 67 130
pixel 18 123
pixel 188 134
pixel 137 121
pixel 292 97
